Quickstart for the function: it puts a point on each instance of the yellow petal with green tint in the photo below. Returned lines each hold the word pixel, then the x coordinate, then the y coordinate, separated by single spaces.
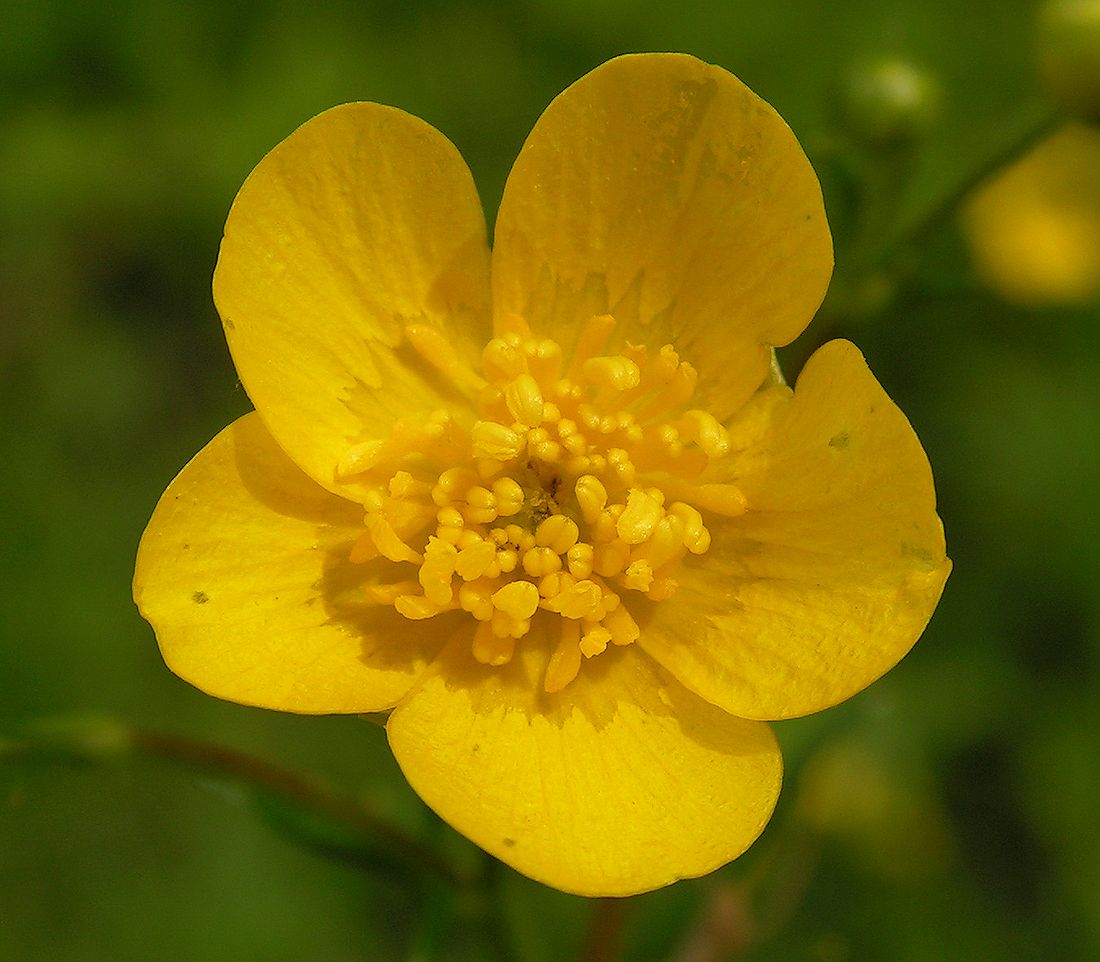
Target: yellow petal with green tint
pixel 362 225
pixel 833 572
pixel 661 190
pixel 243 574
pixel 621 783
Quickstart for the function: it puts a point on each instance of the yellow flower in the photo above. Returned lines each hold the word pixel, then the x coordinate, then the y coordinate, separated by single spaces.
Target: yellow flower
pixel 555 515
pixel 1034 228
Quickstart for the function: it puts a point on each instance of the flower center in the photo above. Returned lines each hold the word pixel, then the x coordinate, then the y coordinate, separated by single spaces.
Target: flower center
pixel 576 494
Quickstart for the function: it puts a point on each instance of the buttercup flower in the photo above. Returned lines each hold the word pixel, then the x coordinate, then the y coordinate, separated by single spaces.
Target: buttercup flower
pixel 1034 227
pixel 547 503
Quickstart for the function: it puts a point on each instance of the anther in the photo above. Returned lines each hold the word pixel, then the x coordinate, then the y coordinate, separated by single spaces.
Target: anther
pixel 580 599
pixel 579 559
pixel 404 485
pixel 495 441
pixel 696 538
pixel 703 428
pixel 474 561
pixel 624 629
pixel 638 576
pixel 591 496
pixel 518 599
pixel 509 496
pixel 610 558
pixel 431 345
pixel 617 372
pixel 435 573
pixel 724 499
pixel 592 338
pixel 544 360
pixel 540 561
pixel 476 597
pixel 595 641
pixel 358 458
pixel 502 361
pixel 387 542
pixel 490 648
pixel 524 400
pixel 558 533
pixel 388 594
pixel 417 607
pixel 638 521
pixel 565 662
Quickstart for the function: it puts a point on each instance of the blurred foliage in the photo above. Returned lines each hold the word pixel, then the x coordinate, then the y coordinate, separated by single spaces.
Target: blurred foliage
pixel 947 812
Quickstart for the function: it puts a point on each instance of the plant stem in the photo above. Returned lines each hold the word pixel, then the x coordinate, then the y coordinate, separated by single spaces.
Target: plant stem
pixel 296 788
pixel 949 205
pixel 108 741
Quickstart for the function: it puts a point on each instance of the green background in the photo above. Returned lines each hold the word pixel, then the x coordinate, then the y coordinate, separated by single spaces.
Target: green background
pixel 946 813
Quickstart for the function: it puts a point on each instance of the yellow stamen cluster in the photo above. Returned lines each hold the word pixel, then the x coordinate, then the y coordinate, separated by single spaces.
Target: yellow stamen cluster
pixel 573 492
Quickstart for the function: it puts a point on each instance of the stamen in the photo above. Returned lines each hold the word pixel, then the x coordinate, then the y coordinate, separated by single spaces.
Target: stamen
pixel 509 496
pixel 638 576
pixel 490 648
pixel 617 372
pixel 565 662
pixel 696 538
pixel 540 561
pixel 672 394
pixel 440 558
pixel 524 400
pixel 591 496
pixel 518 599
pixel 388 594
pixel 476 560
pixel 595 641
pixel 404 485
pixel 724 499
pixel 670 538
pixel 451 484
pixel 363 550
pixel 610 558
pixel 592 338
pixel 624 629
pixel 387 542
pixel 620 467
pixel 544 361
pixel 637 522
pixel 579 600
pixel 503 360
pixel 476 597
pixel 558 533
pixel 703 428
pixel 514 324
pixel 431 345
pixel 418 607
pixel 567 499
pixel 495 441
pixel 580 560
pixel 358 459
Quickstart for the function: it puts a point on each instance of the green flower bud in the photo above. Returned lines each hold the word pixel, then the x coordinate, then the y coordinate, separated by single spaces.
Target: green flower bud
pixel 1069 55
pixel 890 103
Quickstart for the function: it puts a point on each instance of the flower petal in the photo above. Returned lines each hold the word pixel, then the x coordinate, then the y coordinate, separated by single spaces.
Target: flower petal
pixel 243 573
pixel 621 783
pixel 362 221
pixel 662 190
pixel 832 574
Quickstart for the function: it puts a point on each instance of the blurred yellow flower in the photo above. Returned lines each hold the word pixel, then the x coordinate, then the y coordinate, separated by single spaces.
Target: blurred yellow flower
pixel 1034 228
pixel 555 514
